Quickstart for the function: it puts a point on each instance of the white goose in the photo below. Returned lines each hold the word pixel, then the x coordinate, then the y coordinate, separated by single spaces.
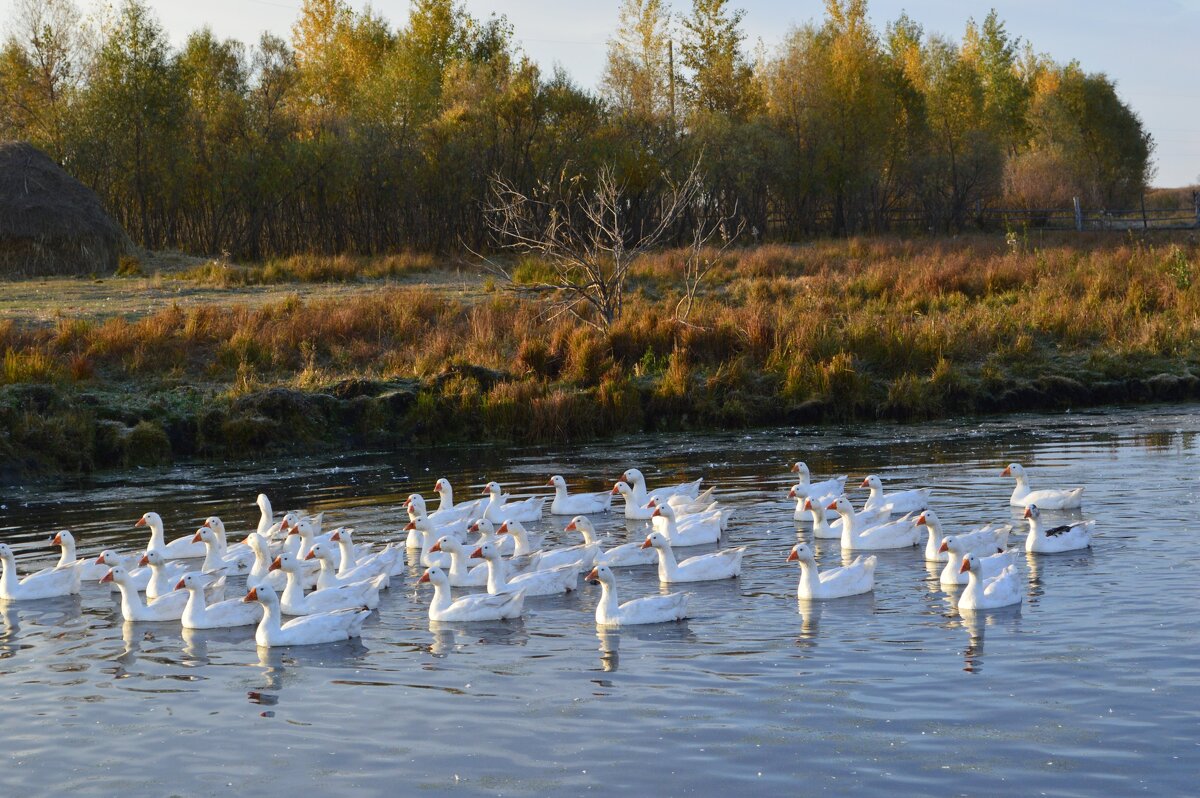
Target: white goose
pixel 651 609
pixel 583 557
pixel 822 528
pixel 497 510
pixel 1001 590
pixel 179 549
pixel 454 524
pixel 984 540
pixel 163 574
pixel 579 503
pixel 891 535
pixel 633 510
pixel 806 504
pixel 1022 496
pixel 139 576
pixel 261 573
pixel 390 560
pixel 328 576
pixel 1067 537
pixel 849 580
pixel 896 503
pixel 242 552
pixel 620 556
pixel 991 562
pixel 477 607
pixel 216 556
pixel 43 585
pixel 324 627
pixel 487 534
pixel 695 530
pixel 724 564
pixel 641 495
pixel 549 582
pixel 294 601
pixel 806 488
pixel 199 614
pixel 266 516
pixel 89 570
pixel 692 514
pixel 686 505
pixel 466 510
pixel 167 607
pixel 460 574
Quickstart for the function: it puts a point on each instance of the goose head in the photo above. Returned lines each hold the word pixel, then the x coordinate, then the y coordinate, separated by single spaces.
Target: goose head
pixel 448 544
pixel 970 563
pixel 285 562
pixel 152 520
pixel 792 492
pixel 116 574
pixel 63 538
pixel 1032 512
pixel 557 482
pixel 484 527
pixel 194 581
pixel 633 477
pixel 441 486
pixel 256 542
pixel 657 540
pixel 663 511
pixel 583 525
pixel 6 553
pixel 1014 470
pixel 263 503
pixel 514 528
pixel 343 534
pixel 215 524
pixel 801 553
pixel 950 543
pixel 435 576
pixel 601 573
pixel 154 559
pixel 492 489
pixel 108 557
pixel 929 518
pixel 206 536
pixel 842 505
pixel 415 501
pixel 801 468
pixel 485 552
pixel 319 552
pixel 873 482
pixel 622 487
pixel 264 594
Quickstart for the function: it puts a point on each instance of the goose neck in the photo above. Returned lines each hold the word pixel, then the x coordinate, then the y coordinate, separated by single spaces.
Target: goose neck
pixel 608 608
pixel 497 575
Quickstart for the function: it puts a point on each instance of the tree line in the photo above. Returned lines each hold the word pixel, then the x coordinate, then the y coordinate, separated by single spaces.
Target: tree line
pixel 360 135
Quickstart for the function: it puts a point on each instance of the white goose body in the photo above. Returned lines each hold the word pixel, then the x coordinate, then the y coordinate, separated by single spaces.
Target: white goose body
pixel 163 574
pixel 294 601
pixel 991 561
pixel 548 582
pixel 651 609
pixel 896 503
pixel 891 535
pixel 578 503
pixel 261 573
pixel 823 529
pixel 1067 537
pixel 216 556
pixel 328 577
pixel 686 505
pixel 464 510
pixel 476 607
pixel 461 573
pixel 87 568
pixel 1022 496
pixel 240 554
pixel 45 584
pixel 199 614
pixel 620 556
pixel 984 540
pixel 524 510
pixel 180 549
pixel 1001 590
pixel 848 580
pixel 633 477
pixel 695 530
pixel 167 607
pixel 724 564
pixel 390 560
pixel 324 627
pixel 633 510
pixel 582 557
pixel 822 493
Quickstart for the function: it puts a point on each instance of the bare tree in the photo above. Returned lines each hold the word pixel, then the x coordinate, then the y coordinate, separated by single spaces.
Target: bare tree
pixel 703 255
pixel 586 235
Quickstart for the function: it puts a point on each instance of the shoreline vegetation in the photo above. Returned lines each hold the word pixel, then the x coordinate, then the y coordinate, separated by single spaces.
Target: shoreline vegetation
pixel 829 331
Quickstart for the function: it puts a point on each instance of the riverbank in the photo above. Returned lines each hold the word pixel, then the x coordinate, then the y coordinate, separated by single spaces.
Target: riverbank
pixel 246 361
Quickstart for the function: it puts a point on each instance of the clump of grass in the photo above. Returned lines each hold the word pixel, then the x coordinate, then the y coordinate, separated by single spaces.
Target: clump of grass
pixel 310 269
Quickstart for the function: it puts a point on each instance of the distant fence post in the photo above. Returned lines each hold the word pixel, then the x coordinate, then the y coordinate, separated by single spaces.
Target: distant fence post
pixel 1078 215
pixel 1145 221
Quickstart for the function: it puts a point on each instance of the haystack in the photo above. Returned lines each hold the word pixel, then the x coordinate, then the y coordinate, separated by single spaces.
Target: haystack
pixel 50 223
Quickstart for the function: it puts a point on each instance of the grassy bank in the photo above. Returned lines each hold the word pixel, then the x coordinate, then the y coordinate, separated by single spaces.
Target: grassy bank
pixel 830 331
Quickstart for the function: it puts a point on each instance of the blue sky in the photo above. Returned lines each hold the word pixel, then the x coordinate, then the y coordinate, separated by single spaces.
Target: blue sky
pixel 1148 46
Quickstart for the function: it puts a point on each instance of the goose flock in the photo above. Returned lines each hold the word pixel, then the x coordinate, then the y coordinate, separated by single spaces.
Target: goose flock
pixel 327 585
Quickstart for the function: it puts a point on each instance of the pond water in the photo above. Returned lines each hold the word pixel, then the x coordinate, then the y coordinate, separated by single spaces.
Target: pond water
pixel 1090 686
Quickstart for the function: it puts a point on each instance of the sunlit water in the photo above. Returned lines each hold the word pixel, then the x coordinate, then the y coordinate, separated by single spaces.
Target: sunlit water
pixel 1090 686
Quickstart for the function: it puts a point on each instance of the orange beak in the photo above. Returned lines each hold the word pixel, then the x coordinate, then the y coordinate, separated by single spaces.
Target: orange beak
pixel 791 493
pixel 283 525
pixel 570 527
pixel 647 544
pixel 180 585
pixel 921 519
pixel 335 537
pixel 141 521
pixel 865 484
pixel 252 595
pixel 1007 472
pixel 1027 513
pixel 206 524
pixel 276 564
pixel 474 526
pixel 832 506
pixel 657 513
pixel 196 538
pixel 106 578
pixel 615 490
pixel 808 504
pixel 411 526
pixel 246 542
pixel 550 483
pixel 477 554
pixel 592 576
pixel 795 469
pixel 966 566
pixel 57 540
pixel 793 556
pixel 100 560
pixel 944 547
pixel 503 530
pixel 435 547
pixel 424 578
pixel 144 561
pixel 312 554
pixel 484 493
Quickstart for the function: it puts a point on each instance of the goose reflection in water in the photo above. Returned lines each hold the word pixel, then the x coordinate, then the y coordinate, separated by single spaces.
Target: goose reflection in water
pixel 448 637
pixel 55 613
pixel 282 665
pixel 196 642
pixel 975 622
pixel 610 648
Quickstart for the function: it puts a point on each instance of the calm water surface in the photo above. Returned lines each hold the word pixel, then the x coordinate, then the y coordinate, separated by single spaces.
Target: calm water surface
pixel 1091 686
